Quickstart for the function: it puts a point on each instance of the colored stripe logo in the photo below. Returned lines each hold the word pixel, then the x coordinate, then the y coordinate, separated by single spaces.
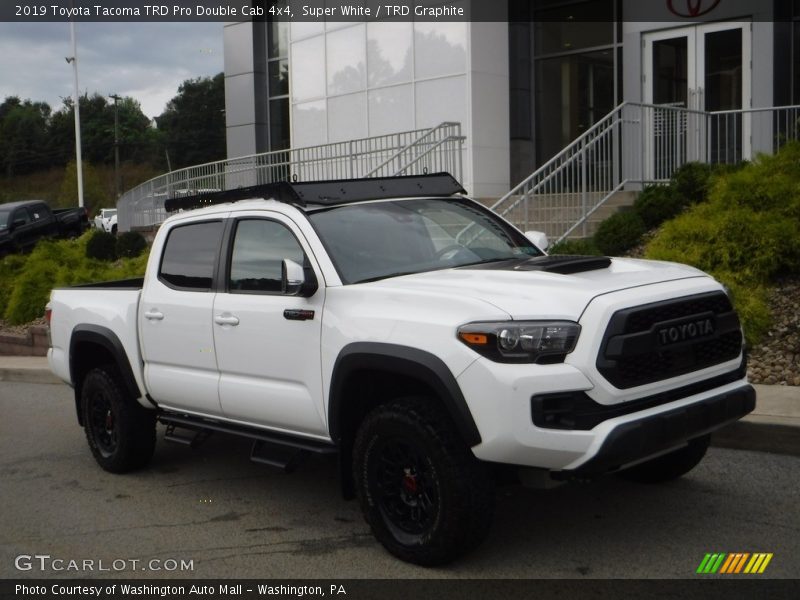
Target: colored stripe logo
pixel 734 563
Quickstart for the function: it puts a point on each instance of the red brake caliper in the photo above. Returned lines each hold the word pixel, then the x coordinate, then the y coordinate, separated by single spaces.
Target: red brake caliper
pixel 410 482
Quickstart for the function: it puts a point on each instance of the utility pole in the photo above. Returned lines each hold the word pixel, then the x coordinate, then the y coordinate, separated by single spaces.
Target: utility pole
pixel 77 101
pixel 116 144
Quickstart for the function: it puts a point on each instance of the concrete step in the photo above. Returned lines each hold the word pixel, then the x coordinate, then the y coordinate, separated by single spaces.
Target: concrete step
pixel 555 213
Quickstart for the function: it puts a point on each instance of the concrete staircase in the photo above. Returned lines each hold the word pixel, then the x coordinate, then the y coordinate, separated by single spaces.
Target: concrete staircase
pixel 553 213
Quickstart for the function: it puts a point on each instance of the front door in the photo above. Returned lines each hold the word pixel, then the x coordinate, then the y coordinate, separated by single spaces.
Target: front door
pixel 267 342
pixel 689 73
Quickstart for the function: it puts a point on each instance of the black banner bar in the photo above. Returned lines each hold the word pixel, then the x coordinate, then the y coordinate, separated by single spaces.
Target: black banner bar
pixel 678 11
pixel 705 587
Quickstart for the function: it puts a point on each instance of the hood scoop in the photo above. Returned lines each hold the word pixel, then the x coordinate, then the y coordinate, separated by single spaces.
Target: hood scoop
pixel 562 264
pixel 565 265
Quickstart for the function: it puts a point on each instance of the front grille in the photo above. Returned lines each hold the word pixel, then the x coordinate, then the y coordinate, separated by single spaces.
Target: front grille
pixel 665 339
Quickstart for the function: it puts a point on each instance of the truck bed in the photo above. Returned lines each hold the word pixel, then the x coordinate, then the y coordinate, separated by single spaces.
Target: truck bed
pixel 107 306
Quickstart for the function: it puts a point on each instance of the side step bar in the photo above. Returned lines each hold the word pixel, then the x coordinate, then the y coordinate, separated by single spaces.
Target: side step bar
pixel 275 449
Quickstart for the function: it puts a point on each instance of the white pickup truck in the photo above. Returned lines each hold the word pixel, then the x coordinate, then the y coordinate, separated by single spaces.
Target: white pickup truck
pixel 416 334
pixel 106 220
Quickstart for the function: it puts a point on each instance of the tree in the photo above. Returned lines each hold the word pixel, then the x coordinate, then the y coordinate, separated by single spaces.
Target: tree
pixel 193 124
pixel 138 140
pixel 24 143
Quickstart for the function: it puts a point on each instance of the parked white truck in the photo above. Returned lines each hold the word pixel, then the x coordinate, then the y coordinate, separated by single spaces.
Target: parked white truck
pixel 106 220
pixel 416 334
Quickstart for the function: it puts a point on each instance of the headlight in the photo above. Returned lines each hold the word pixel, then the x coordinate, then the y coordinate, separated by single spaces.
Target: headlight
pixel 541 342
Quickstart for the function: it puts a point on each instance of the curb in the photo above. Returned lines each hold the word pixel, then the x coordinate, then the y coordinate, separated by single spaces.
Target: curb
pixel 759 436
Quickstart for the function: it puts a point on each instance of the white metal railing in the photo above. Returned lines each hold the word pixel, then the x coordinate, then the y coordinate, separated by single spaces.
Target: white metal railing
pixel 638 143
pixel 405 153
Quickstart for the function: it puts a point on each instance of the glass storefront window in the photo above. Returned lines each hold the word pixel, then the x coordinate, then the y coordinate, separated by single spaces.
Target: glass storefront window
pixel 279 123
pixel 277 37
pixel 572 93
pixel 670 71
pixel 558 30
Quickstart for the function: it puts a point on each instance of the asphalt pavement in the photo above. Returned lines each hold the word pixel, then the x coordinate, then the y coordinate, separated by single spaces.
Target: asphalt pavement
pixel 233 518
pixel 229 517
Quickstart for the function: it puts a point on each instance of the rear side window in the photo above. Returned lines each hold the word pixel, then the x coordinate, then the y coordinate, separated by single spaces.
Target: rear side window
pixel 190 254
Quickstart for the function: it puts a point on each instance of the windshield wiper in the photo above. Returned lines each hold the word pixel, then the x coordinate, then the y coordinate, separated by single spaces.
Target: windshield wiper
pixel 492 260
pixel 387 276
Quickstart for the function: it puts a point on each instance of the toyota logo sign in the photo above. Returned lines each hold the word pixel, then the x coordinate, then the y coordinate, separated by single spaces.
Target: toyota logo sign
pixel 691 8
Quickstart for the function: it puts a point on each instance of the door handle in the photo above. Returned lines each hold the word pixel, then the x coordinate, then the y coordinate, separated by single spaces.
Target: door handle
pixel 154 315
pixel 226 320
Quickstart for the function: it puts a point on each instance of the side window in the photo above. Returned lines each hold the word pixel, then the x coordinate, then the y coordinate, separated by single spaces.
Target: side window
pixel 39 212
pixel 190 254
pixel 259 248
pixel 22 216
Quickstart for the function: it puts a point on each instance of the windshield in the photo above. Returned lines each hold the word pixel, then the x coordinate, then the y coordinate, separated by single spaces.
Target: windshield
pixel 108 213
pixel 4 214
pixel 383 239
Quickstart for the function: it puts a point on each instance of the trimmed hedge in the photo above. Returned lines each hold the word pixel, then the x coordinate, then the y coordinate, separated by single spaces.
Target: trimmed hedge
pixel 658 203
pixel 130 244
pixel 619 233
pixel 101 246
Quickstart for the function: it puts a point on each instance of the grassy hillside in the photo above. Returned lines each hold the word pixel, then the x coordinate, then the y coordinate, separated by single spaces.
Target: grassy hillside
pixel 47 185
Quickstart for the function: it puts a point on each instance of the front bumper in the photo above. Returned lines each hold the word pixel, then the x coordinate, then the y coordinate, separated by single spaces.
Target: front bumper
pixel 501 397
pixel 648 436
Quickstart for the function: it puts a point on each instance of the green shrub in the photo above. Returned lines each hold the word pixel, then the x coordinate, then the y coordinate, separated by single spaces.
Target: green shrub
pixel 584 246
pixel 746 234
pixel 691 182
pixel 619 233
pixel 752 304
pixel 658 203
pixel 130 244
pixel 27 281
pixel 102 246
pixel 10 268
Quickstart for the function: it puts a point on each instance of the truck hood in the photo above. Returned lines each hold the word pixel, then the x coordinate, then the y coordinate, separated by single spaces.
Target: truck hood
pixel 537 294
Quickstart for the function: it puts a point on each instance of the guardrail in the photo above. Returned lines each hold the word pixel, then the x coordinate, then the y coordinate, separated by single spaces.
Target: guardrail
pixel 406 153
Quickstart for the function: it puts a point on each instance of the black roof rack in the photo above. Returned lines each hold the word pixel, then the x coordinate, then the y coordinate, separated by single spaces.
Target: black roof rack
pixel 328 192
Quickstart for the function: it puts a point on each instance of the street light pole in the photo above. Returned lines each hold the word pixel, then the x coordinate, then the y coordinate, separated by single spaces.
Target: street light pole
pixel 77 106
pixel 116 98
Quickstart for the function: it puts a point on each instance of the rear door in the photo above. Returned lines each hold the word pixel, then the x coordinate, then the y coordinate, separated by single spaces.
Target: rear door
pixel 175 321
pixel 268 343
pixel 24 229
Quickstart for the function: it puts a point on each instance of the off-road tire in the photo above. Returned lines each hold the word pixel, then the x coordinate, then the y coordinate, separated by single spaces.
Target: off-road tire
pixel 669 466
pixel 121 433
pixel 407 455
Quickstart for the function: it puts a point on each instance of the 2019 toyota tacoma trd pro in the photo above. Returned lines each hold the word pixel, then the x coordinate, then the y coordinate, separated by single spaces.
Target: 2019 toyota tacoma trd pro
pixel 410 330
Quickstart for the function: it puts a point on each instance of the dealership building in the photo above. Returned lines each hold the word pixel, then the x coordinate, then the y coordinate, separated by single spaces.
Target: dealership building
pixel 575 101
pixel 522 89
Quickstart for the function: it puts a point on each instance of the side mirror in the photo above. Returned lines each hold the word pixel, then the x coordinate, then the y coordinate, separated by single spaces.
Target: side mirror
pixel 297 280
pixel 17 223
pixel 538 239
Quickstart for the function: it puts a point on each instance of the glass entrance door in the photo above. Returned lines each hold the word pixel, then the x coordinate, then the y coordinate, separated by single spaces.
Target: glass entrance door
pixel 689 72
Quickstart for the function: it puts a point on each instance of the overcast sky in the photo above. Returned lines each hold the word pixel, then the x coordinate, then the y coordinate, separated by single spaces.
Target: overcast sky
pixel 147 61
